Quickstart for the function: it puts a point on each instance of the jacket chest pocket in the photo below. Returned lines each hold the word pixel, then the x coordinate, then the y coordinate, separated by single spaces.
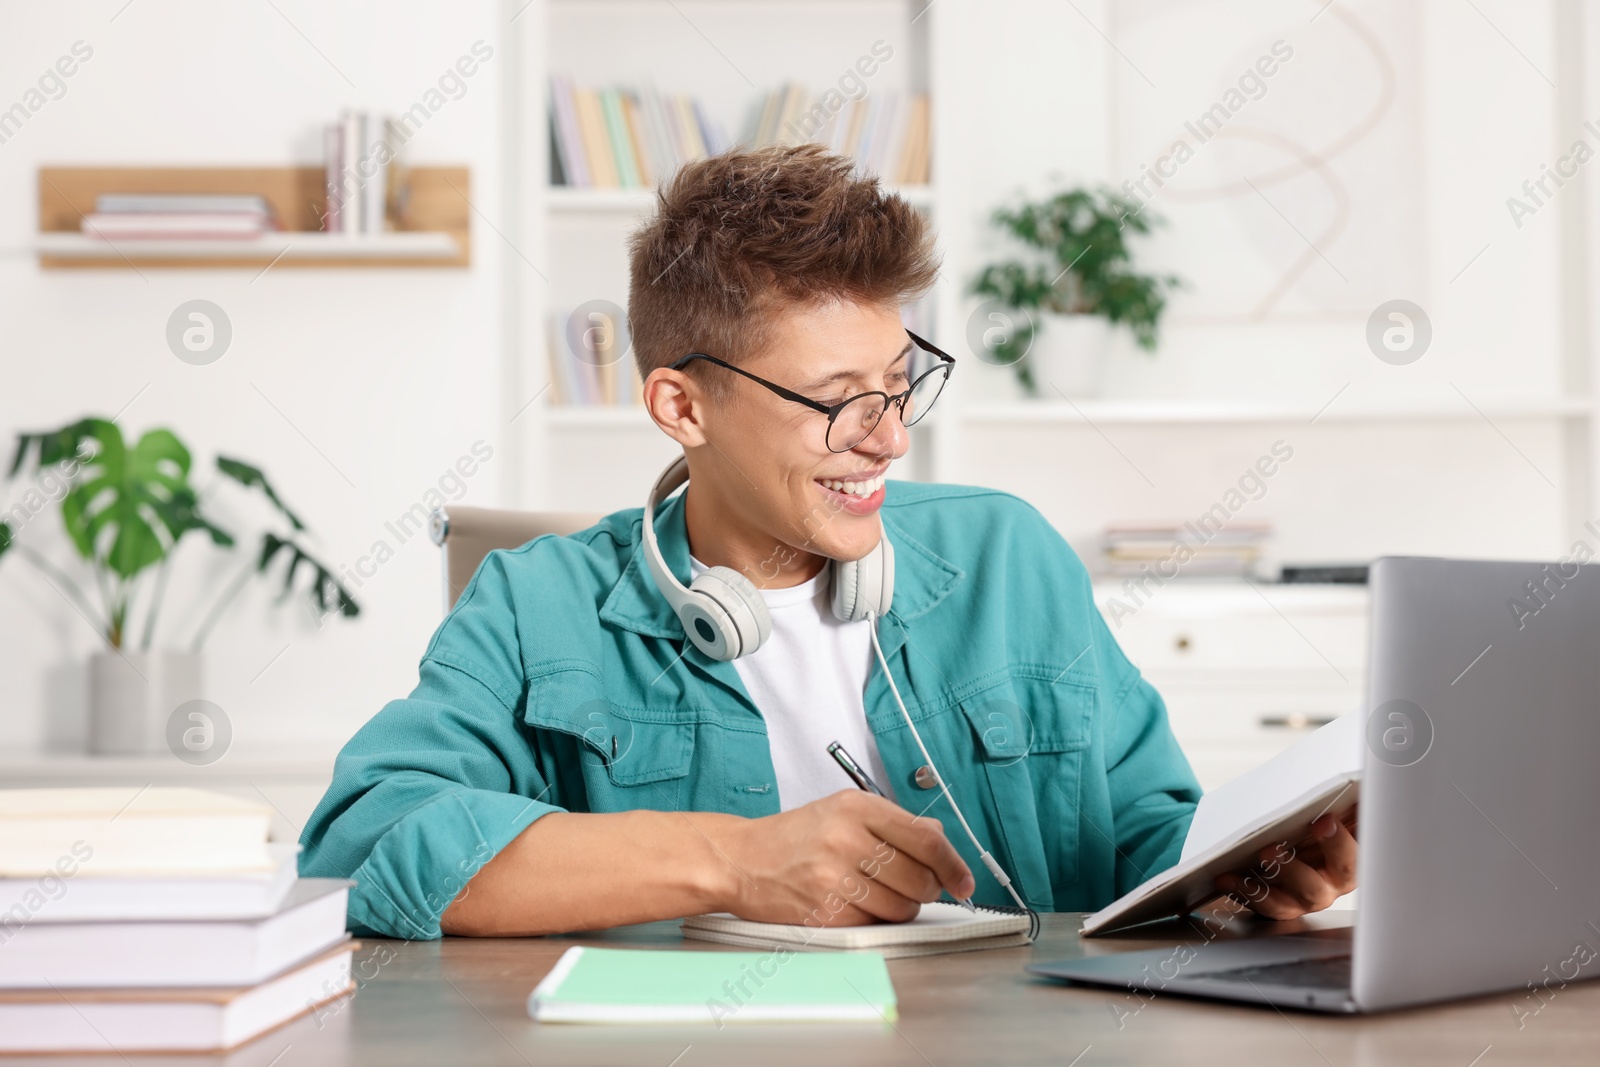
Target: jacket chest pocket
pixel 1031 731
pixel 628 758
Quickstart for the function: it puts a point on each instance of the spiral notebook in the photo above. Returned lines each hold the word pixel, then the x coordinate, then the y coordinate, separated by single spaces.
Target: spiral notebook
pixel 939 927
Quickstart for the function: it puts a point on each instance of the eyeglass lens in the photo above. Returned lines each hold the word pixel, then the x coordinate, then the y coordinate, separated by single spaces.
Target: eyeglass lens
pixel 860 416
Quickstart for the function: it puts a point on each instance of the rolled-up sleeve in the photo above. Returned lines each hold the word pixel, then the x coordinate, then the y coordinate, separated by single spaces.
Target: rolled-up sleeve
pixel 437 783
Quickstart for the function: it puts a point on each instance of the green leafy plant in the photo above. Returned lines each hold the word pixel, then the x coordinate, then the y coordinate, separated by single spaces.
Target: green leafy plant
pixel 1077 263
pixel 127 508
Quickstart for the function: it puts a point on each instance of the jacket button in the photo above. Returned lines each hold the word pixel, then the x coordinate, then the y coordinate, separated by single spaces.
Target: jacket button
pixel 925 777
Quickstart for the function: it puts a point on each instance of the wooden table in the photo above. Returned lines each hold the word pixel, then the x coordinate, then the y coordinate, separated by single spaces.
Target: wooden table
pixel 462 1003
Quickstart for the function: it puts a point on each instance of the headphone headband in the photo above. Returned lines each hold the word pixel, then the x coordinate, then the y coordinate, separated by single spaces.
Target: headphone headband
pixel 722 611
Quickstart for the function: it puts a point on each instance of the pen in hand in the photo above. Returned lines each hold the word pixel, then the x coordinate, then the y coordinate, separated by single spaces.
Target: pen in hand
pixel 864 782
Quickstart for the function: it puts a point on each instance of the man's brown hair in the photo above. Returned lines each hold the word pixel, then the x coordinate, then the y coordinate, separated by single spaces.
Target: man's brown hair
pixel 740 236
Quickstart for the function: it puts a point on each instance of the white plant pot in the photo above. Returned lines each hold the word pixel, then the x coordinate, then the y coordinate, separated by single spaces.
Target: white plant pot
pixel 133 694
pixel 1069 355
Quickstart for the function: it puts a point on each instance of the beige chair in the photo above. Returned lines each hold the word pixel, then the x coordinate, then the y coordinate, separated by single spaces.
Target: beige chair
pixel 466 535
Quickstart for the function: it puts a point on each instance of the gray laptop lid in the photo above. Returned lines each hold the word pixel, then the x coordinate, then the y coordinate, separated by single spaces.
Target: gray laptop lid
pixel 1480 865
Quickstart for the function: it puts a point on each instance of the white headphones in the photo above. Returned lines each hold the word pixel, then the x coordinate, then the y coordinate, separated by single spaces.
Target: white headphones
pixel 722 611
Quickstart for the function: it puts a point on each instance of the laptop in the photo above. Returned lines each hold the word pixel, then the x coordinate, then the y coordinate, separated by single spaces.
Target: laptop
pixel 1477 861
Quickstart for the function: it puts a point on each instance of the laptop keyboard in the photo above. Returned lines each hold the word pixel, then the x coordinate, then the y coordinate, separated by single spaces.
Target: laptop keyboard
pixel 1332 972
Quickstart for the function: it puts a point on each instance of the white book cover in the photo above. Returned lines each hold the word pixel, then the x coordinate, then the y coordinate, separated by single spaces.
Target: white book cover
pixel 74 892
pixel 113 203
pixel 375 172
pixel 128 830
pixel 352 211
pixel 176 1020
pixel 176 953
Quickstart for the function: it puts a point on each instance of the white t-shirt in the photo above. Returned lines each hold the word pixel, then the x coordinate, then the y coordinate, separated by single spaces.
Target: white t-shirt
pixel 808 680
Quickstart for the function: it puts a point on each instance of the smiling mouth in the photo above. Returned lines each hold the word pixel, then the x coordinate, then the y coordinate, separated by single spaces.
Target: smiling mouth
pixel 861 488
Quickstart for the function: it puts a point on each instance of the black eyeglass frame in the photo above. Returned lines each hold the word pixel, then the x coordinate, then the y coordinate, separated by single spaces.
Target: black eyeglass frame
pixel 832 410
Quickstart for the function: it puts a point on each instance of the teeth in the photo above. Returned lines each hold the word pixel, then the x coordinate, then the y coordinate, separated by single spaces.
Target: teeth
pixel 860 489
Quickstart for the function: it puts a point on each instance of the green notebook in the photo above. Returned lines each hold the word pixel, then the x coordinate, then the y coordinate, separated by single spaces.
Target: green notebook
pixel 612 985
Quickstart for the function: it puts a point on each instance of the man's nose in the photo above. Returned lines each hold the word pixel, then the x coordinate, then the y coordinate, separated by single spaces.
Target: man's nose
pixel 889 439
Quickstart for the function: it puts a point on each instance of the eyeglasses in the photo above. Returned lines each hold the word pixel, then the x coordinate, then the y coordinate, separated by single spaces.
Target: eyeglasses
pixel 853 420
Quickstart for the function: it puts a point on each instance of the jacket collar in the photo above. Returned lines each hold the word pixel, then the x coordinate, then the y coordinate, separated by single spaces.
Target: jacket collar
pixel 921 580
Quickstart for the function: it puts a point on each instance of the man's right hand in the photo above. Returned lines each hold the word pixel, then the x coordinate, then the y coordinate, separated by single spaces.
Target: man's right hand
pixel 846 860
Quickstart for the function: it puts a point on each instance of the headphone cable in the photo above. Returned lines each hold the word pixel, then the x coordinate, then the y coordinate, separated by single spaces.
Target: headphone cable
pixel 983 854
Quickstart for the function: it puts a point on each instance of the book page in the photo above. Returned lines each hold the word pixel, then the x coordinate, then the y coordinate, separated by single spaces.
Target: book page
pixel 1332 751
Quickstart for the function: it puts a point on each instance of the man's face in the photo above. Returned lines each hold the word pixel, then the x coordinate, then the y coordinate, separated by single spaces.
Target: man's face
pixel 766 461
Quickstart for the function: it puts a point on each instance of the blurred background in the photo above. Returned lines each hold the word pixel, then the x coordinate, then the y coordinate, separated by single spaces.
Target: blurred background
pixel 1290 285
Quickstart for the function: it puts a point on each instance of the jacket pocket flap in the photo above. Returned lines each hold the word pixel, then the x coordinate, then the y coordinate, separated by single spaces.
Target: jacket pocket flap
pixel 1026 714
pixel 636 746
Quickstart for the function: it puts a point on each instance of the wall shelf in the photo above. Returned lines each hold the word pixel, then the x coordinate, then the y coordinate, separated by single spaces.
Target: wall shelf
pixel 282 247
pixel 432 218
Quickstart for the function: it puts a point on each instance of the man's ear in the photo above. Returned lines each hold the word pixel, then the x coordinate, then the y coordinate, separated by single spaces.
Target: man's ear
pixel 677 405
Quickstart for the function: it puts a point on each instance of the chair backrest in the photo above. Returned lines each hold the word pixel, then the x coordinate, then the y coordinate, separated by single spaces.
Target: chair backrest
pixel 466 535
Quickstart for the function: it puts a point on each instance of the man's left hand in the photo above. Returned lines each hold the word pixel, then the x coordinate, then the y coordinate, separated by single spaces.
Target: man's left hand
pixel 1287 883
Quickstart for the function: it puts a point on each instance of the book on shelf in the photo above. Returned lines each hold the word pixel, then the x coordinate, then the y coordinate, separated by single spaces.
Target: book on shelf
pixel 586 370
pixel 358 165
pixel 177 216
pixel 624 138
pixel 165 203
pixel 1198 548
pixel 620 137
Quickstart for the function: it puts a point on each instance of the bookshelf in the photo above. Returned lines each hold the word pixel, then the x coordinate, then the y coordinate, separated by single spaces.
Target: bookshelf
pixel 1384 468
pixel 432 223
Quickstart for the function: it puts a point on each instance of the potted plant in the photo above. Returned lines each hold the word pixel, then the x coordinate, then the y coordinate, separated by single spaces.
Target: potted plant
pixel 126 508
pixel 1072 285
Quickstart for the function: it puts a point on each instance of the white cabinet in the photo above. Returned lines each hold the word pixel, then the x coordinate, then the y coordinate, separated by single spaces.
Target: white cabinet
pixel 1245 669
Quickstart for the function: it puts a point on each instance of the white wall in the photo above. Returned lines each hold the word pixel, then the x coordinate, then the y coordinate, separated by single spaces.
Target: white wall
pixel 381 379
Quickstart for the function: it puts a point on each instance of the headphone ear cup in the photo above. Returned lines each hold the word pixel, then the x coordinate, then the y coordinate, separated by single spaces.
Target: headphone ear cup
pixel 864 585
pixel 746 623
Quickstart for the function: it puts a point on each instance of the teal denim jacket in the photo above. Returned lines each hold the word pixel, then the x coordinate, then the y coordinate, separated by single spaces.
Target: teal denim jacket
pixel 562 681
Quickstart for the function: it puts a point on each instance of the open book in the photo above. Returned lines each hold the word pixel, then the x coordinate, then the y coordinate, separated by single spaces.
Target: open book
pixel 938 927
pixel 1275 803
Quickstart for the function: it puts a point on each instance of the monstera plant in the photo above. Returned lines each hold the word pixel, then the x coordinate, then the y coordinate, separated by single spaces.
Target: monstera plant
pixel 127 508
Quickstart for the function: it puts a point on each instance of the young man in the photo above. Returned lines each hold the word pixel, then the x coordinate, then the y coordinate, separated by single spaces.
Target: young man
pixel 569 760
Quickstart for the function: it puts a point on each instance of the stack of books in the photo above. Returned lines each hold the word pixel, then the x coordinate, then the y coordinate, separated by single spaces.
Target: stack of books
pixel 623 138
pixel 157 919
pixel 1198 548
pixel 178 216
pixel 358 156
pixel 886 131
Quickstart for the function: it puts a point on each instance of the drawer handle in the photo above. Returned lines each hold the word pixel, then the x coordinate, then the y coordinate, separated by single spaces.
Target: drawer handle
pixel 1296 720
